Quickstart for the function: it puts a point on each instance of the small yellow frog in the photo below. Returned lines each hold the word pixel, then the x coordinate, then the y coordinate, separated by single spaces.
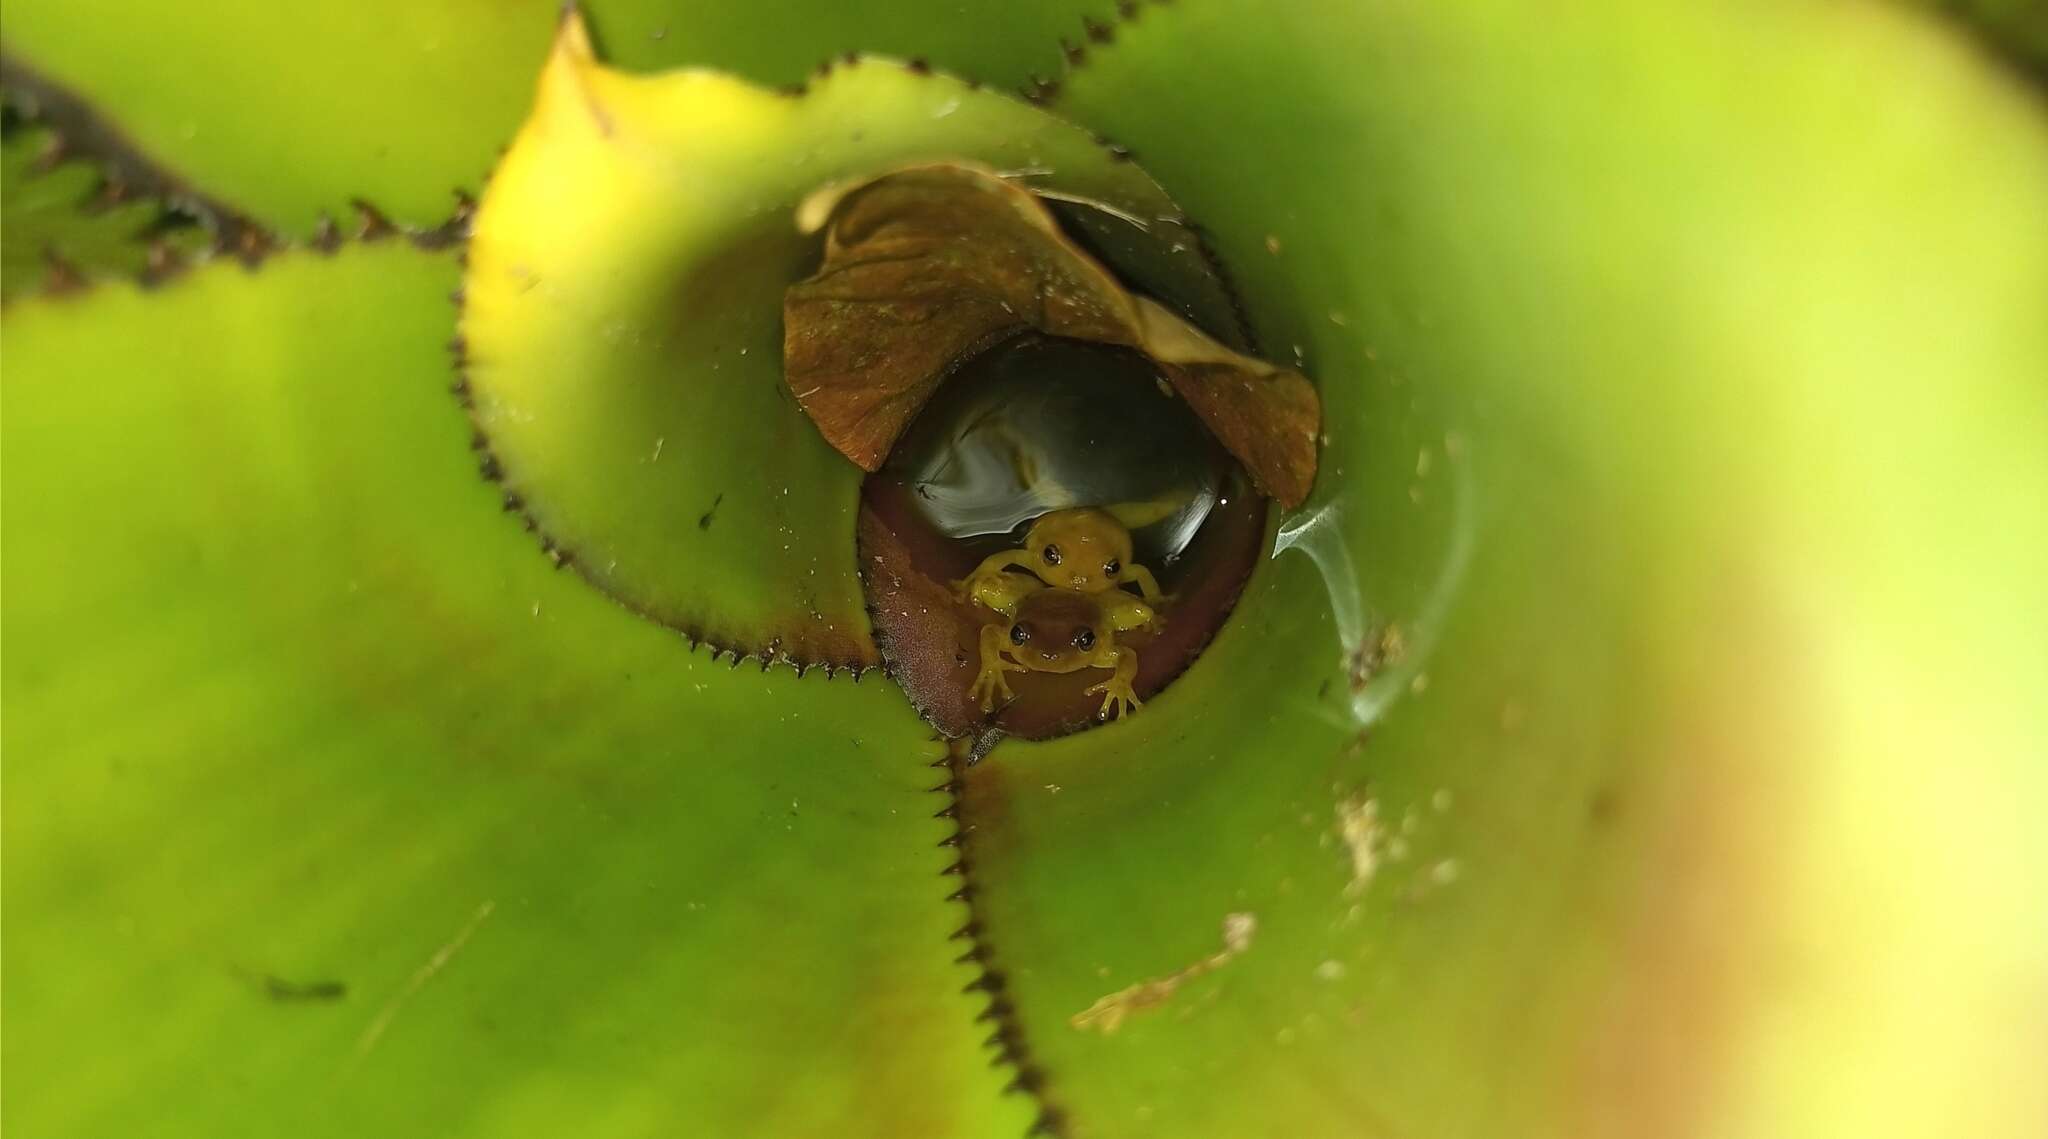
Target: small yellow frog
pixel 1067 616
pixel 1082 548
pixel 1057 630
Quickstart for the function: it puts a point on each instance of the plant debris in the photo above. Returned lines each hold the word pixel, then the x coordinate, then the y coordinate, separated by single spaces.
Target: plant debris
pixel 1358 824
pixel 1107 1014
pixel 928 265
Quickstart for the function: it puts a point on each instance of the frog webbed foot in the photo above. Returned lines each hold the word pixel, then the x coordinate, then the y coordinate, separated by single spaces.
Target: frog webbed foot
pixel 1117 694
pixel 990 684
pixel 1117 691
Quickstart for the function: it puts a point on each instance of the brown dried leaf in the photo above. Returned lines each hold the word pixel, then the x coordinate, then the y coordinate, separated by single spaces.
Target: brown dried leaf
pixel 925 266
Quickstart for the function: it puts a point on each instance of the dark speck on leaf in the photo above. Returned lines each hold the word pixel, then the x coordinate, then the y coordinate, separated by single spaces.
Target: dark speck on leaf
pixel 1603 807
pixel 300 992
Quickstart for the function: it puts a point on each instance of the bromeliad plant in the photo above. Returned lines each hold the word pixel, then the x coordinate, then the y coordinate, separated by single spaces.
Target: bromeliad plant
pixel 1633 730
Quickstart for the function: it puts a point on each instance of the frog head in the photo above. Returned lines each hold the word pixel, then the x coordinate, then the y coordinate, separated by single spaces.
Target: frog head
pixel 1058 630
pixel 1082 549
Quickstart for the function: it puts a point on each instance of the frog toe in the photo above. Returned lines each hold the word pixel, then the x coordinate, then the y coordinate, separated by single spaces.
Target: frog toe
pixel 991 685
pixel 1116 695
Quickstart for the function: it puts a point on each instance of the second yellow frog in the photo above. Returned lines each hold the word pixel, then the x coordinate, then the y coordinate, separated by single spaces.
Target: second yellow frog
pixel 1082 548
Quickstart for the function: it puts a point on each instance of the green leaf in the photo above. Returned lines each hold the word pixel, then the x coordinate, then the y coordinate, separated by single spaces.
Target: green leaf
pixel 1674 570
pixel 332 809
pixel 294 112
pixel 52 220
pixel 2014 29
pixel 622 325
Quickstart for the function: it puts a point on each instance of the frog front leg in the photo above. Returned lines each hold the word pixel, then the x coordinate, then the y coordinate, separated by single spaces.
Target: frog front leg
pixel 1126 612
pixel 1002 592
pixel 1148 586
pixel 991 681
pixel 990 571
pixel 1117 689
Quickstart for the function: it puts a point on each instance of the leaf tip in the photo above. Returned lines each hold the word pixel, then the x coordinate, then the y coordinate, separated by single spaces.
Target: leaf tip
pixel 572 37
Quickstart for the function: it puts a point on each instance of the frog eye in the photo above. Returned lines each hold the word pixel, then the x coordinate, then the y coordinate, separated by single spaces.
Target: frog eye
pixel 1113 567
pixel 1019 633
pixel 1084 638
pixel 1051 555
